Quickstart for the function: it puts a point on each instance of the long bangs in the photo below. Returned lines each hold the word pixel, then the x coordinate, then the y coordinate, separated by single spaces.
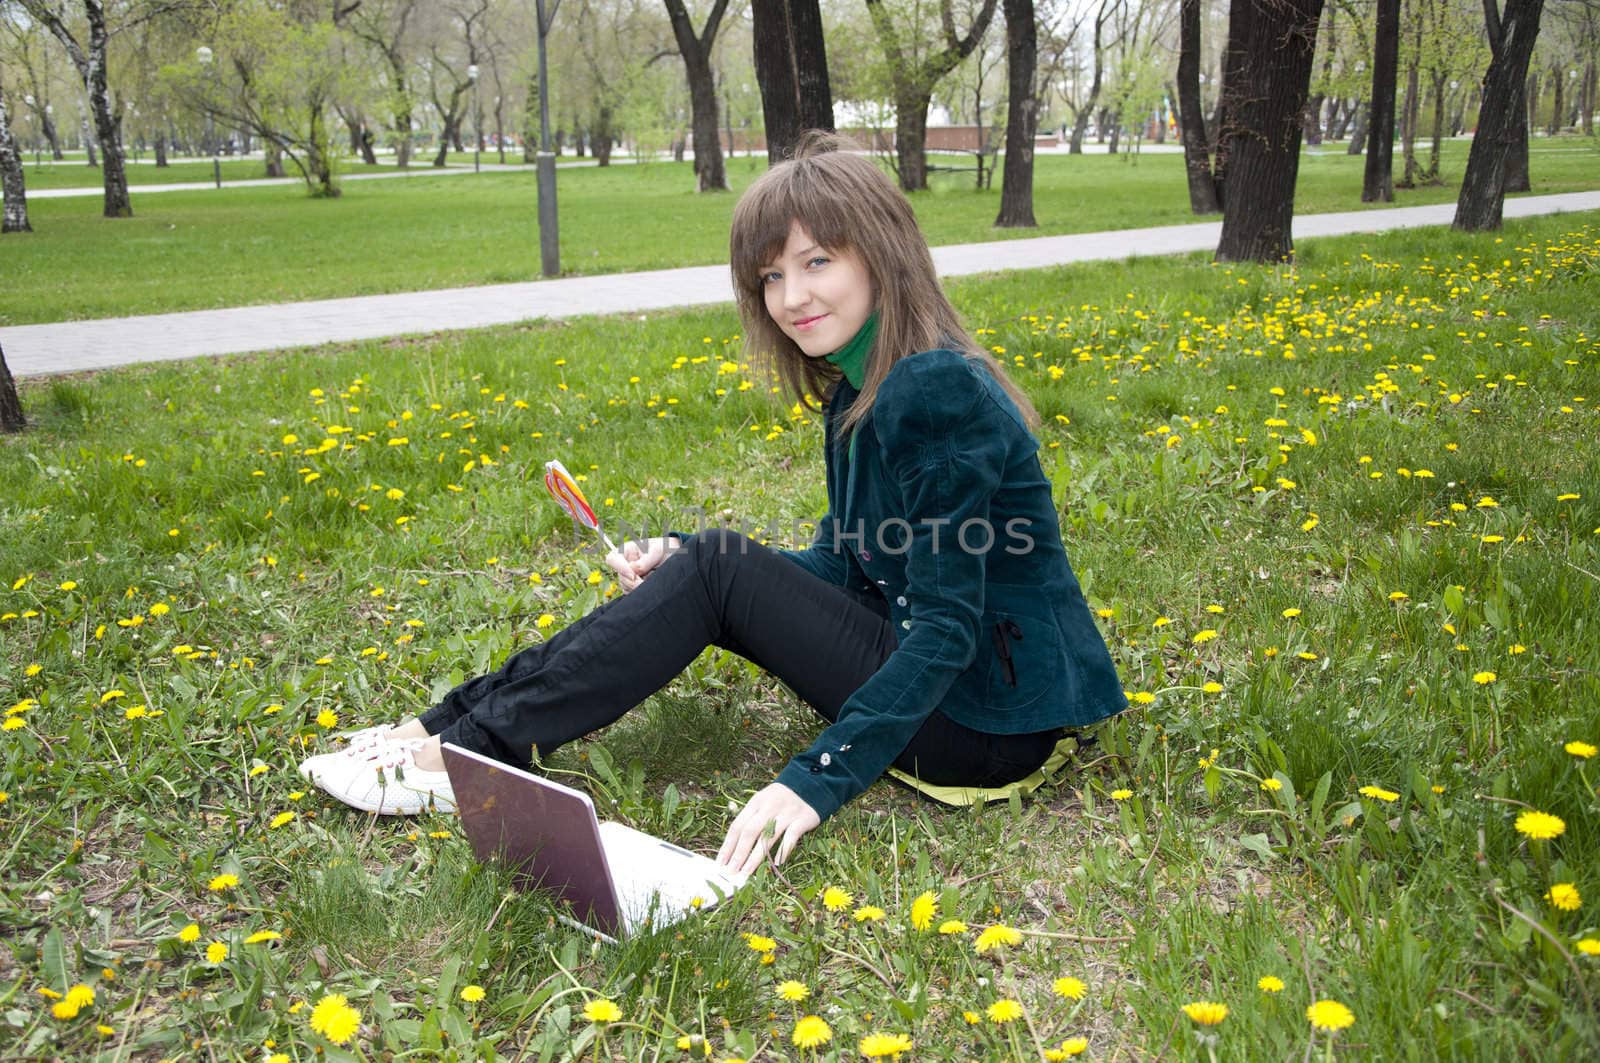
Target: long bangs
pixel 806 190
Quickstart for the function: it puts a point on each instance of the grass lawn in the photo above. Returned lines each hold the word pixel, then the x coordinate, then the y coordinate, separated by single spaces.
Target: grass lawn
pixel 76 174
pixel 207 249
pixel 1340 524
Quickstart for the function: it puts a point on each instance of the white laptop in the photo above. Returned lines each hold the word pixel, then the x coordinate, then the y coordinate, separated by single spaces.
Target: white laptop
pixel 615 878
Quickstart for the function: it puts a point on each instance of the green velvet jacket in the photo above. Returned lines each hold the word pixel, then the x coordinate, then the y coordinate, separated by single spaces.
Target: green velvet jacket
pixel 945 511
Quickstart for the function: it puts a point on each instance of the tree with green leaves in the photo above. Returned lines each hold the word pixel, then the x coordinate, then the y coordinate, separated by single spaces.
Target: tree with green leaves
pixel 87 47
pixel 915 68
pixel 276 72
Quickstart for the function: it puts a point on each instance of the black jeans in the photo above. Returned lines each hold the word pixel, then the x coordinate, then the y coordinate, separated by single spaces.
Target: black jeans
pixel 720 589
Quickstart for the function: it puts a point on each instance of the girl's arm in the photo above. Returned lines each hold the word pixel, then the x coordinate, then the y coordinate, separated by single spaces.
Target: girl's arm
pixel 946 443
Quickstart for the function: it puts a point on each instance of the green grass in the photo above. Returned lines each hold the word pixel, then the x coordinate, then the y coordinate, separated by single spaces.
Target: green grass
pixel 1424 459
pixel 207 249
pixel 74 173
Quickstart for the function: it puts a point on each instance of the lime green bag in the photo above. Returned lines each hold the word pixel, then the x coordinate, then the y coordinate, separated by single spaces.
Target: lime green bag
pixel 962 796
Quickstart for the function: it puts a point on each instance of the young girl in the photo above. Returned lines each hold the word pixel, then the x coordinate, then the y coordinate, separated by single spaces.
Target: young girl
pixel 934 622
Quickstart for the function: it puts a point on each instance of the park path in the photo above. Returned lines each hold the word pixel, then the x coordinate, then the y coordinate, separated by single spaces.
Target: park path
pixel 423 170
pixel 74 346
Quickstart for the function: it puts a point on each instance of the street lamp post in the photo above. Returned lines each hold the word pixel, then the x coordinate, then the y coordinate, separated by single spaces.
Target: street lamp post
pixel 204 56
pixel 477 113
pixel 549 234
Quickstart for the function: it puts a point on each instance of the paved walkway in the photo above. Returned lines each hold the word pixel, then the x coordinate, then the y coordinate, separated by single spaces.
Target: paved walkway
pixel 72 346
pixel 422 169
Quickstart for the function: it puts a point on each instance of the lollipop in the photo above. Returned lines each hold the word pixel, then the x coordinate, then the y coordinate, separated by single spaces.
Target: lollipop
pixel 559 482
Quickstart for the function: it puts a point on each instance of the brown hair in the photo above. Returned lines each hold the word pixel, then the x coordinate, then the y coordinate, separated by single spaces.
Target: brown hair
pixel 847 205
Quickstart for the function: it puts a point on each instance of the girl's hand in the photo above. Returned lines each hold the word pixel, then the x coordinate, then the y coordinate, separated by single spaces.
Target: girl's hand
pixel 776 814
pixel 635 561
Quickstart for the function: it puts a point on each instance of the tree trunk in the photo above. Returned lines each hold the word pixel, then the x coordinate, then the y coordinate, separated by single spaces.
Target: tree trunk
pixel 1517 165
pixel 1410 112
pixel 600 140
pixel 791 70
pixel 16 192
pixel 88 141
pixel 696 52
pixel 1080 123
pixel 910 140
pixel 1377 185
pixel 11 416
pixel 1203 191
pixel 1358 129
pixel 1271 45
pixel 1339 114
pixel 1431 174
pixel 51 135
pixel 107 126
pixel 1022 116
pixel 1588 106
pixel 1481 203
pixel 443 154
pixel 274 158
pixel 1559 85
pixel 1313 120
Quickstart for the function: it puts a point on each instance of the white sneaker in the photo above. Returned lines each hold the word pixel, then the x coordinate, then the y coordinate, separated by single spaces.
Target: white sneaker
pixel 383 778
pixel 357 743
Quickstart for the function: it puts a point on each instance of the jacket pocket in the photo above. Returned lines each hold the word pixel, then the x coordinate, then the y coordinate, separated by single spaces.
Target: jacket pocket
pixel 1025 655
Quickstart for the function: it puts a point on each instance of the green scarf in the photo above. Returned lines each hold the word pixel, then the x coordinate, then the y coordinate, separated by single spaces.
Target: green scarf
pixel 852 357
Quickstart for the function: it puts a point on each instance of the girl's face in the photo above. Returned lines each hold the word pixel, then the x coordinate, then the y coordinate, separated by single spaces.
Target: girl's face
pixel 819 298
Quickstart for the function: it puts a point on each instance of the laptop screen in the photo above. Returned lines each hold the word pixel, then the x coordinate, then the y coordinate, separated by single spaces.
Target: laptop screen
pixel 546 832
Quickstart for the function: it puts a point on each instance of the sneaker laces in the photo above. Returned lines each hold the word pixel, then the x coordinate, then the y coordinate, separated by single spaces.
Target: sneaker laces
pixel 392 753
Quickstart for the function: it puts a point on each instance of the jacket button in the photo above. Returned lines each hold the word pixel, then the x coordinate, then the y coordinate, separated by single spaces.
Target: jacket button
pixel 900 600
pixel 825 760
pixel 866 555
pixel 906 624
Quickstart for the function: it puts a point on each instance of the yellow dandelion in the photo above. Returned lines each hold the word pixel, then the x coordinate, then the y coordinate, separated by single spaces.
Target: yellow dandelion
pixel 1121 795
pixel 1589 946
pixel 225 881
pixel 189 934
pixel 1329 1016
pixel 1204 636
pixel 995 936
pixel 1564 896
pixel 1206 1012
pixel 1003 1011
pixel 602 1010
pixel 1274 784
pixel 759 943
pixel 261 936
pixel 1270 983
pixel 835 899
pixel 335 1019
pixel 793 991
pixel 952 926
pixel 869 913
pixel 1069 988
pixel 472 993
pixel 1378 793
pixel 216 952
pixel 923 909
pixel 1540 826
pixel 879 1045
pixel 1072 1046
pixel 1580 749
pixel 1483 678
pixel 811 1032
